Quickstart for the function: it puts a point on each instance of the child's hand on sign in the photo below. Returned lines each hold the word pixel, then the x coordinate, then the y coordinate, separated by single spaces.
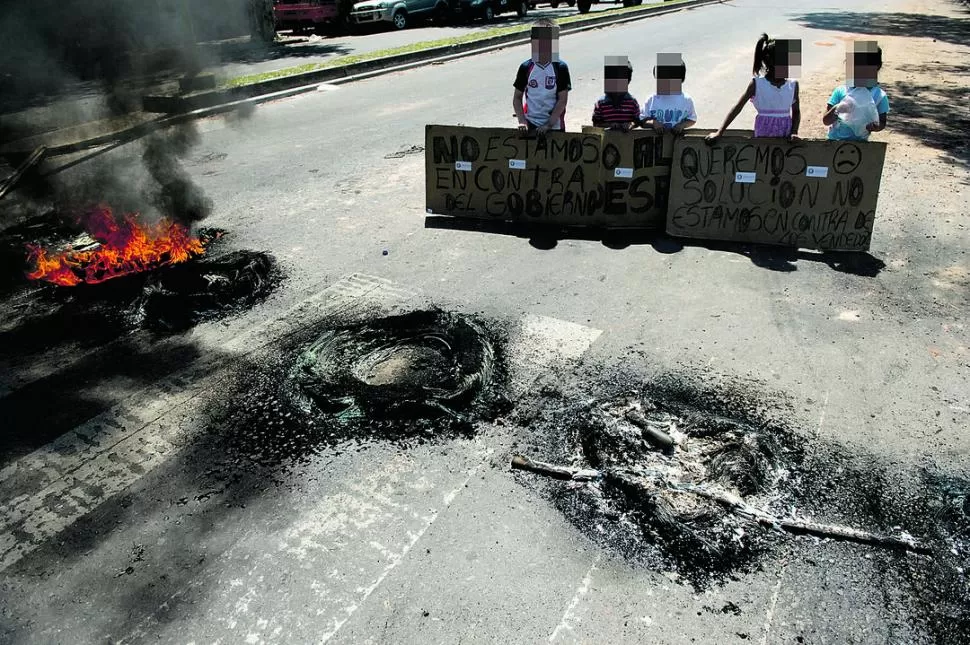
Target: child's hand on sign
pixel 712 137
pixel 658 127
pixel 794 138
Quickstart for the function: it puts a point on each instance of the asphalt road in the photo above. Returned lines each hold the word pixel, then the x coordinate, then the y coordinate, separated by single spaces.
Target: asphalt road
pixel 127 529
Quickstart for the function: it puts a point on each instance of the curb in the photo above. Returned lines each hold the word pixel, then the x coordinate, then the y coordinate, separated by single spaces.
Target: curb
pixel 396 63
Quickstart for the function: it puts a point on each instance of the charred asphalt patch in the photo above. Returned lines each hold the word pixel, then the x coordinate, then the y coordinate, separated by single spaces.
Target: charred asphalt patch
pixel 741 484
pixel 426 375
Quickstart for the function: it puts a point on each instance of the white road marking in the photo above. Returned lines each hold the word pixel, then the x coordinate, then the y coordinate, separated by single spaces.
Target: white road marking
pixel 395 559
pixel 770 613
pixel 48 490
pixel 51 488
pixel 568 617
pixel 544 342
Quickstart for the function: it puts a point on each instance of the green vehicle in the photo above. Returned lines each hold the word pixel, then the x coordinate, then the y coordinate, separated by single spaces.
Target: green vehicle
pixel 399 13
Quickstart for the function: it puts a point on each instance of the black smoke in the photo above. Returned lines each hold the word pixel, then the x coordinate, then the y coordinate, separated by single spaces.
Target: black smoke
pixel 69 62
pixel 177 197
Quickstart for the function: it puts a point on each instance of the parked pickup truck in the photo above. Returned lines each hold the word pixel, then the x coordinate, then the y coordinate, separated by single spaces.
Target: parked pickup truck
pixel 304 14
pixel 400 13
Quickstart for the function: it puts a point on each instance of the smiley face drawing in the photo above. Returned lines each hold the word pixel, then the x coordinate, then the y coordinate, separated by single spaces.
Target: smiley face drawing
pixel 847 158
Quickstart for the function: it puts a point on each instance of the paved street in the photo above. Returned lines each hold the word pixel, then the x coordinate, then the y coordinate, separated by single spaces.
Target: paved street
pixel 125 521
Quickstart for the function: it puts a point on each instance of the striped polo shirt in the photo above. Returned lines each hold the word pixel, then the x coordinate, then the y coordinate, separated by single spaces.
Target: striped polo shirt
pixel 616 108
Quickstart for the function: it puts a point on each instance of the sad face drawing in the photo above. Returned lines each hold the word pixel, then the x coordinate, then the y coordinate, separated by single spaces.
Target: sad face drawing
pixel 847 158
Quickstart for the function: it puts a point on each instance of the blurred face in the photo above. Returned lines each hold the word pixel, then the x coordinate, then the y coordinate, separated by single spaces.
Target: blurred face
pixel 612 85
pixel 615 72
pixel 545 44
pixel 669 86
pixel 669 72
pixel 788 54
pixel 862 64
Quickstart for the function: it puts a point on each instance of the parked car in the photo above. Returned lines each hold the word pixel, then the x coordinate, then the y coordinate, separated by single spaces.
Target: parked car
pixel 488 9
pixel 585 5
pixel 400 13
pixel 299 15
pixel 554 4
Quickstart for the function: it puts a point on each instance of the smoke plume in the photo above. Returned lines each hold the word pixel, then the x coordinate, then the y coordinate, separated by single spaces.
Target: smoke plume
pixel 67 62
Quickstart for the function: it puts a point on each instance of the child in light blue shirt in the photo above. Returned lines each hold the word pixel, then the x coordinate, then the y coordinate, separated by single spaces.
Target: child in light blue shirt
pixel 859 107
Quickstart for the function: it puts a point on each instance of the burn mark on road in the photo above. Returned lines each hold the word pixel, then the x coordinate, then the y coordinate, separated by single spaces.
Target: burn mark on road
pixel 631 497
pixel 422 376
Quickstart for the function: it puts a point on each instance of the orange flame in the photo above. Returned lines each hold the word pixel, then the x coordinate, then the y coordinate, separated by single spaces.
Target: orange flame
pixel 126 247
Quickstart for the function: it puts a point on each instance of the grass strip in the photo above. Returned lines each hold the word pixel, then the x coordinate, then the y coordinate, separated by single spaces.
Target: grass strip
pixel 250 79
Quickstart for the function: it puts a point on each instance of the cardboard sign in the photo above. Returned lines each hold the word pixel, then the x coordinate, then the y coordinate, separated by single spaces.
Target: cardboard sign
pixel 593 178
pixel 810 194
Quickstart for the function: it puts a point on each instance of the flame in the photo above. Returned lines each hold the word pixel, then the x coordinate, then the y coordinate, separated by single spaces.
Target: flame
pixel 127 246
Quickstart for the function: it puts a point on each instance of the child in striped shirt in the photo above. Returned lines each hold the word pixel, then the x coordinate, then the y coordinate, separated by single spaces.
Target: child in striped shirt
pixel 617 109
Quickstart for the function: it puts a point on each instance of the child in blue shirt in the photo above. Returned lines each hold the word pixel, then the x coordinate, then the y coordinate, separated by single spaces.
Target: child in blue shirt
pixel 859 107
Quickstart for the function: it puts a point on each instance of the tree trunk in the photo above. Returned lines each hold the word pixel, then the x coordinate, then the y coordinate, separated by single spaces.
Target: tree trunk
pixel 261 25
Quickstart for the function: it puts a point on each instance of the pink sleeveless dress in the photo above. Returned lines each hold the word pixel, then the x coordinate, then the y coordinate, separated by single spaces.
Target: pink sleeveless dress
pixel 774 107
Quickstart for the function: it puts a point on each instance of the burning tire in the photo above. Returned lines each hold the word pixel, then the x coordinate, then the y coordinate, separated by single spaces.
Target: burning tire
pixel 426 363
pixel 186 294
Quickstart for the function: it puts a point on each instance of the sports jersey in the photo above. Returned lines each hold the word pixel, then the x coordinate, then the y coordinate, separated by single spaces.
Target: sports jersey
pixel 540 85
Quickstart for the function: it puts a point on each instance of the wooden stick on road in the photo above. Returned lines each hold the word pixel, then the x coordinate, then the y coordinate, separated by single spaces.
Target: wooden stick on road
pixel 732 502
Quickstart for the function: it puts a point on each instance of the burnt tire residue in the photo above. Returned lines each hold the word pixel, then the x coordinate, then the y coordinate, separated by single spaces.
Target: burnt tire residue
pixel 419 377
pixel 164 299
pixel 186 294
pixel 746 445
pixel 422 364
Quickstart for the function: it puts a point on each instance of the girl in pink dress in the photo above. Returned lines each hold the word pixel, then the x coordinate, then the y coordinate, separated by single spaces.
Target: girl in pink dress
pixel 774 95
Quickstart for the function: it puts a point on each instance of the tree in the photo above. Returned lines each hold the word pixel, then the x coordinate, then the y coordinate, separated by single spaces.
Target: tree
pixel 262 26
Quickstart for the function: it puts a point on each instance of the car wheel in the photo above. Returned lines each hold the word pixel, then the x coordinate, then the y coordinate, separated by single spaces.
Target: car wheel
pixel 584 5
pixel 571 3
pixel 522 9
pixel 554 5
pixel 400 19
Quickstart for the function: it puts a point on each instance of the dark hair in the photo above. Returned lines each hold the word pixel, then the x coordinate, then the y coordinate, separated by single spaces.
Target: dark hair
pixel 626 71
pixel 674 71
pixel 868 58
pixel 764 57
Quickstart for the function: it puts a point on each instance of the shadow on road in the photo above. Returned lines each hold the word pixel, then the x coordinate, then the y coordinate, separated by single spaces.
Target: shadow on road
pixel 773 258
pixel 951 30
pixel 936 113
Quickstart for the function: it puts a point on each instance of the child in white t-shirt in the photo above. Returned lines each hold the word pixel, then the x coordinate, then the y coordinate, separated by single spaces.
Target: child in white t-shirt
pixel 669 109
